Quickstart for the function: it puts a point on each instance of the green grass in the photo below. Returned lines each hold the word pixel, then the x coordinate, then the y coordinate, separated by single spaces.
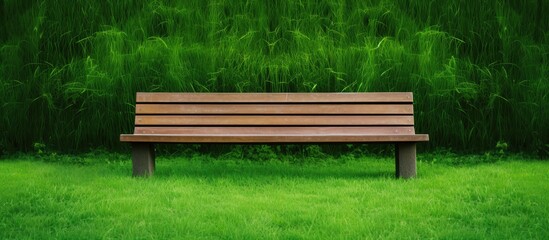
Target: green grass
pixel 69 69
pixel 343 198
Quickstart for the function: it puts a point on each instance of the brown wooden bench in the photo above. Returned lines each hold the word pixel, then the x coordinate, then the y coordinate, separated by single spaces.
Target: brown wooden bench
pixel 274 118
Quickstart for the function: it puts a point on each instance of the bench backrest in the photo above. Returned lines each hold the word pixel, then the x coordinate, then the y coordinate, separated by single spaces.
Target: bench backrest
pixel 274 113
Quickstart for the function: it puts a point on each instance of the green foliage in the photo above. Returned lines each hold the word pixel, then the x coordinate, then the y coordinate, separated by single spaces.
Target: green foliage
pixel 69 69
pixel 501 147
pixel 39 148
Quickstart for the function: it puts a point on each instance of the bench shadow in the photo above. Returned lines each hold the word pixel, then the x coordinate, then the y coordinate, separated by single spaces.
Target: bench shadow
pixel 270 171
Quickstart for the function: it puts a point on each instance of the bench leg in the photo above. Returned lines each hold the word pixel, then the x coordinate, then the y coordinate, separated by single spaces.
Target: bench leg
pixel 405 160
pixel 143 159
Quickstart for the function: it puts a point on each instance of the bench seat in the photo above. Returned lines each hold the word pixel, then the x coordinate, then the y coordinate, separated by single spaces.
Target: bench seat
pixel 276 118
pixel 272 138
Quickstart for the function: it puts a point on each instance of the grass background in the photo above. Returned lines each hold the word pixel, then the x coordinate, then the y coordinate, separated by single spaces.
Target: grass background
pixel 202 197
pixel 69 69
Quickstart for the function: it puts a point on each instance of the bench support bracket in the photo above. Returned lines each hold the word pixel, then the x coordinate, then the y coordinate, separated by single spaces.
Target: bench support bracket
pixel 142 159
pixel 405 160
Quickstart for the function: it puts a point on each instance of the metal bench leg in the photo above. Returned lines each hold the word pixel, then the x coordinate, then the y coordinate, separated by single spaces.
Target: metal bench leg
pixel 142 159
pixel 405 160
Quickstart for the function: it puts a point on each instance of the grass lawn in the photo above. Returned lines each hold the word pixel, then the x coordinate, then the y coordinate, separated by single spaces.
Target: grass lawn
pixel 341 199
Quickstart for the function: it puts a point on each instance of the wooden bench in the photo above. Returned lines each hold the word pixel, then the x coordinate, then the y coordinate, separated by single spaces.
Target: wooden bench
pixel 274 118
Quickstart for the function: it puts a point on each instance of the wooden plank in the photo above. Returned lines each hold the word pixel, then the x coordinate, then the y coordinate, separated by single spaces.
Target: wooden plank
pixel 377 97
pixel 274 109
pixel 274 120
pixel 277 130
pixel 262 138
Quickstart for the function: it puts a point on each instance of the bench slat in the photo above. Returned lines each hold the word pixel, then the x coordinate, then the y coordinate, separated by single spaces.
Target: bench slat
pixel 387 97
pixel 274 109
pixel 264 138
pixel 276 130
pixel 403 120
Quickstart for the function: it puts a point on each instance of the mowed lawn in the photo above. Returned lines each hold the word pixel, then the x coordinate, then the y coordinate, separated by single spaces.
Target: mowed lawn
pixel 201 198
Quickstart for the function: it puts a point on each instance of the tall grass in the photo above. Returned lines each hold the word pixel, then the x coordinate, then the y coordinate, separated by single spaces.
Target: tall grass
pixel 69 70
